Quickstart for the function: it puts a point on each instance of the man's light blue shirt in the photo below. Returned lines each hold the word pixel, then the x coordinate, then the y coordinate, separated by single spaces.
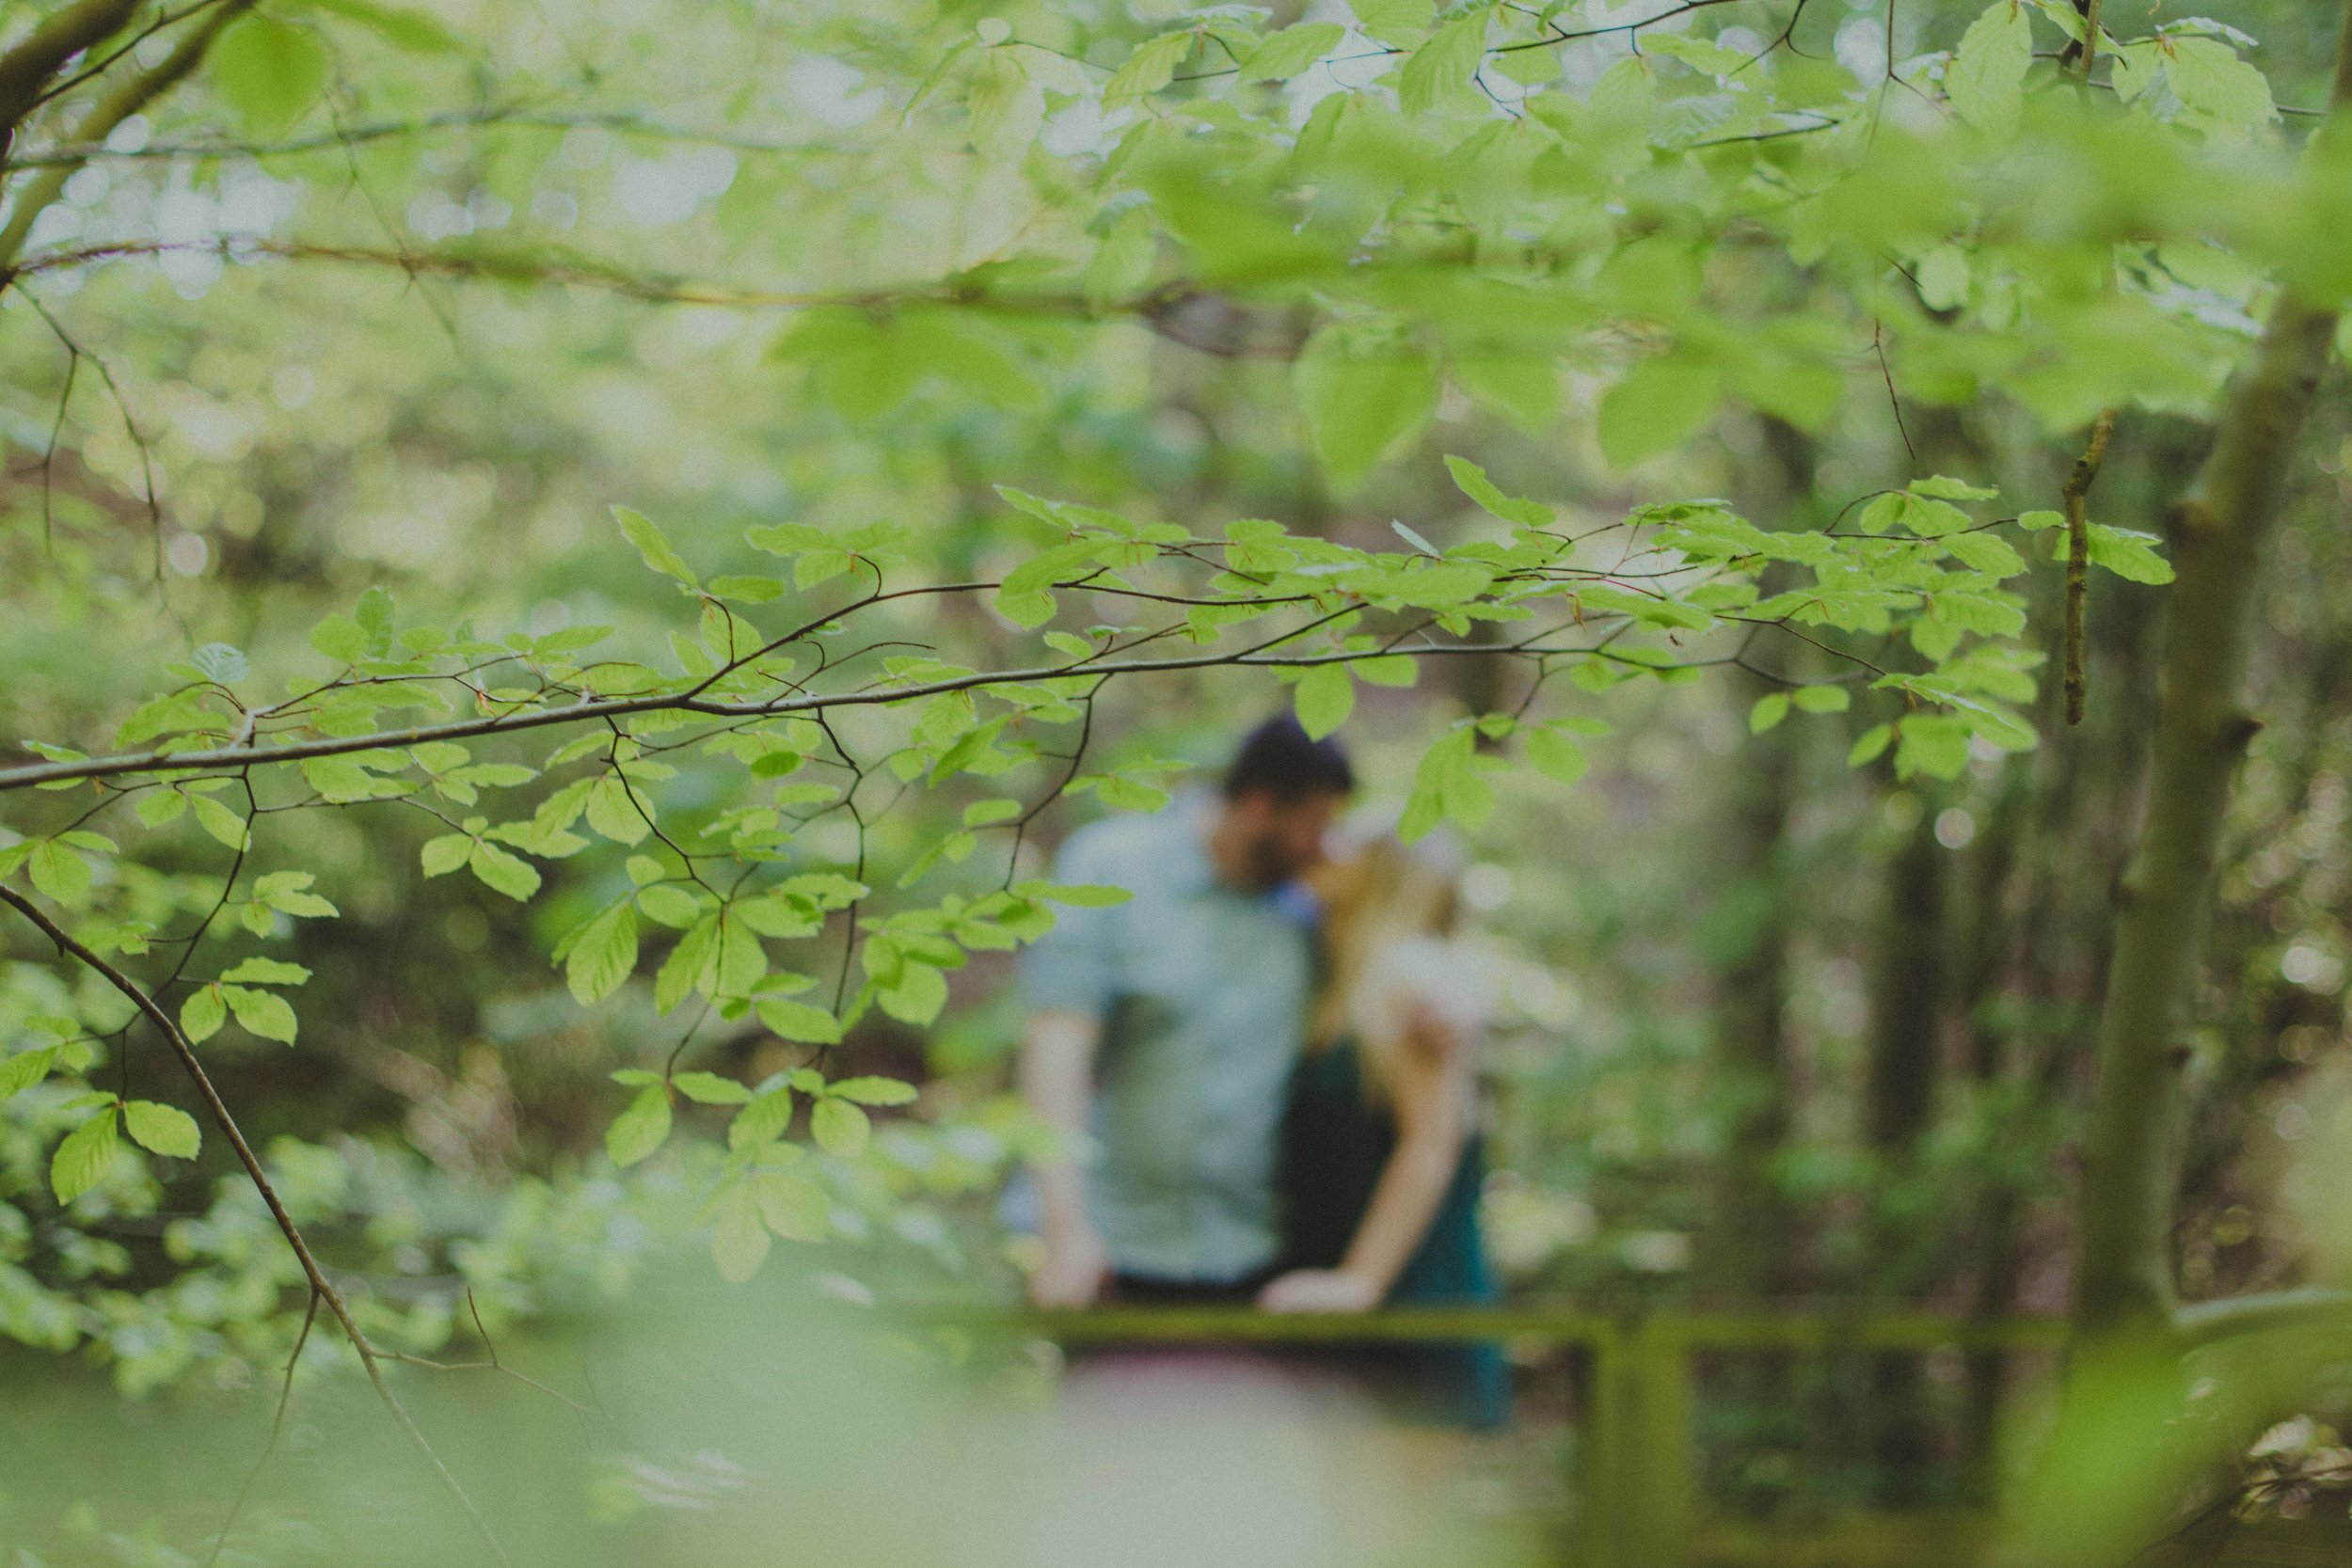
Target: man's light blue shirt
pixel 1202 991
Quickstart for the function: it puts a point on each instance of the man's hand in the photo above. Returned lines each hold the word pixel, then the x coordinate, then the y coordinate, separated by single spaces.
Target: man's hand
pixel 1076 1265
pixel 1320 1291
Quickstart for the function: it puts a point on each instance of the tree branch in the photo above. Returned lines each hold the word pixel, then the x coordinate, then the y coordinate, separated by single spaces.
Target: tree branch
pixel 613 707
pixel 323 1288
pixel 2210 1321
pixel 117 106
pixel 2123 1248
pixel 26 70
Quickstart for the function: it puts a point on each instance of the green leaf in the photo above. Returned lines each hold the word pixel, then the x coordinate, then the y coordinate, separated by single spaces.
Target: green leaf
pixel 691 965
pixel 340 639
pixel 639 1130
pixel 1659 407
pixel 266 71
pixel 163 1129
pixel 262 1012
pixel 710 1088
pixel 224 825
pixel 799 1022
pixel 1937 747
pixel 446 853
pixel 1769 710
pixel 283 891
pixel 1444 65
pixel 1943 488
pixel 1007 107
pixel 1395 23
pixel 1472 482
pixel 920 993
pixel 158 809
pixel 2209 79
pixel 1985 553
pixel 1365 396
pixel 1152 67
pixel 1282 55
pixel 980 813
pixel 602 955
pixel 202 1014
pixel 741 960
pixel 82 1160
pixel 21 1072
pixel 619 812
pixel 1325 696
pixel 839 1128
pixel 1873 743
pixel 1986 76
pixel 218 661
pixel 738 1241
pixel 2035 521
pixel 670 905
pixel 268 972
pixel 58 872
pixel 651 543
pixel 1822 699
pixel 872 1091
pixel 509 874
pixel 1556 756
pixel 794 1207
pixel 2127 554
pixel 762 1120
pixel 413 31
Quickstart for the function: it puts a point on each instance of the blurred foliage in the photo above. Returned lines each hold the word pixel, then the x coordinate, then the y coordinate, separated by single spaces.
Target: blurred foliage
pixel 406 300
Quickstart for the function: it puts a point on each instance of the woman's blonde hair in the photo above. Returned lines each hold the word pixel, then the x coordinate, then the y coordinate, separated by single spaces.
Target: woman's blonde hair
pixel 1383 893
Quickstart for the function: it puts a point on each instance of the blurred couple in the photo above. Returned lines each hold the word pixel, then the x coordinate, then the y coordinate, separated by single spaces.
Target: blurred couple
pixel 1265 1066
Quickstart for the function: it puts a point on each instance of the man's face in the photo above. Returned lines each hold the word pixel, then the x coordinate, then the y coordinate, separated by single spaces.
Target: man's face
pixel 1275 841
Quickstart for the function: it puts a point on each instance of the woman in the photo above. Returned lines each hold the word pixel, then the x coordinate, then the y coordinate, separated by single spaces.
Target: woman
pixel 1381 1158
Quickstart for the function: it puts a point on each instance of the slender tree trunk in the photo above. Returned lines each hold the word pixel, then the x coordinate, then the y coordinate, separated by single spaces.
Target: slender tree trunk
pixel 1899 1100
pixel 1756 1228
pixel 2124 1273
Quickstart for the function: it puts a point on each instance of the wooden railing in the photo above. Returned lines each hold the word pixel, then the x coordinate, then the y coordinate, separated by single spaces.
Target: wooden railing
pixel 1634 1461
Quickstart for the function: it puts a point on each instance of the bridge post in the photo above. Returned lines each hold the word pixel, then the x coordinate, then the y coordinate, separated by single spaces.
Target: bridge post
pixel 1636 1494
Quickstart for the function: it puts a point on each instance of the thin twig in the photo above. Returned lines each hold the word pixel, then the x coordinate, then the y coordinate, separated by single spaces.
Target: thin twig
pixel 2075 493
pixel 1878 344
pixel 276 1424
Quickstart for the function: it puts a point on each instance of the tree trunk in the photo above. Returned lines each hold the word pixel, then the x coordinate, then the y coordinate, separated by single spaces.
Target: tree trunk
pixel 1757 1245
pixel 2123 1277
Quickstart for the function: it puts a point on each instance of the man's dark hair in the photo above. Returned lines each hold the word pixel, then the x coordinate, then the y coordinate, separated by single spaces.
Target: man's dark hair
pixel 1280 759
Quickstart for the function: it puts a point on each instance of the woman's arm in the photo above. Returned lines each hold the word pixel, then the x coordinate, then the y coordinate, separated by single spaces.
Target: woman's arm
pixel 1431 1124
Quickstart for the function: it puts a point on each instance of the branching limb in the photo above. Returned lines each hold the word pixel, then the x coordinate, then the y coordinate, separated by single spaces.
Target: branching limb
pixel 602 708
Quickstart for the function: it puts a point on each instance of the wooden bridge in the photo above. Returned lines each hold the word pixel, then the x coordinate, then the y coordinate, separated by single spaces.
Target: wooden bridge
pixel 1633 1462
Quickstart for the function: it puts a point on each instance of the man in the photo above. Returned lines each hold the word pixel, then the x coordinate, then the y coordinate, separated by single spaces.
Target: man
pixel 1162 1033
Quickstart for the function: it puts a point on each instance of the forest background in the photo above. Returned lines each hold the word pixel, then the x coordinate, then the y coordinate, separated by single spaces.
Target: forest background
pixel 367 320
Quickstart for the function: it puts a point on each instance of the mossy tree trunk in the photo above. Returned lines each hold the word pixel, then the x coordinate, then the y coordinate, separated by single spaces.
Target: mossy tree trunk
pixel 2124 1266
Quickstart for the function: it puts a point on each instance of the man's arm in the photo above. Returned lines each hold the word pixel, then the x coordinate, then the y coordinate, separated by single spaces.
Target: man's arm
pixel 1056 1077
